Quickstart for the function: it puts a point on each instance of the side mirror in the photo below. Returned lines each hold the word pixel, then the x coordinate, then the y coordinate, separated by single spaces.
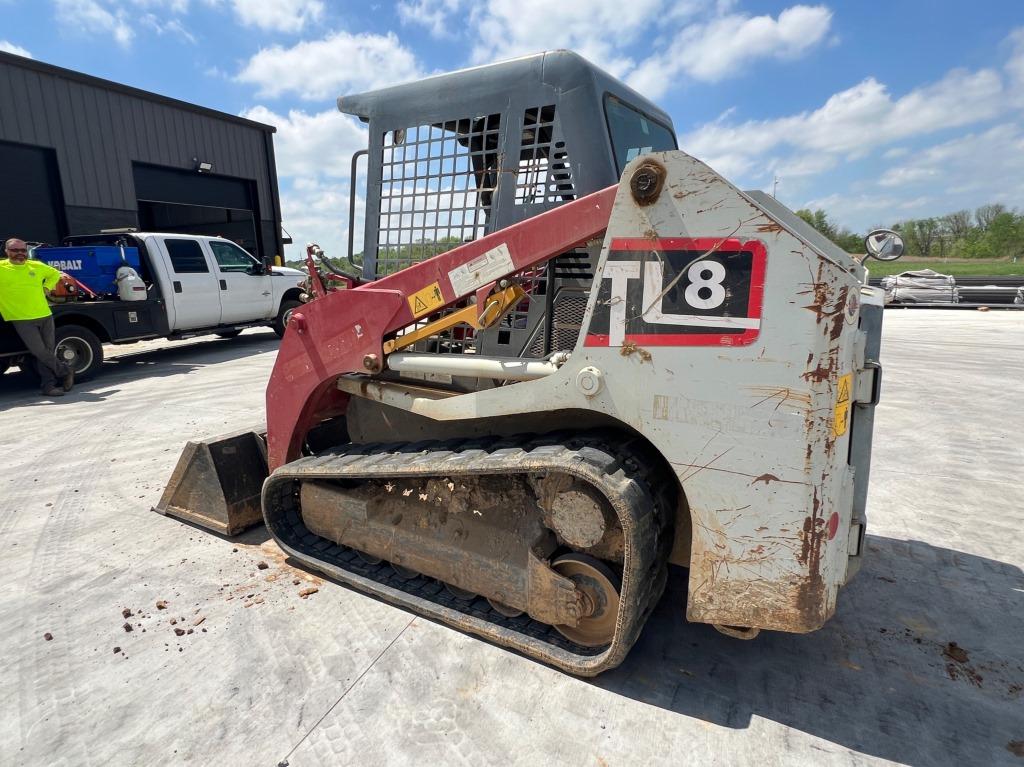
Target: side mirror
pixel 884 244
pixel 258 268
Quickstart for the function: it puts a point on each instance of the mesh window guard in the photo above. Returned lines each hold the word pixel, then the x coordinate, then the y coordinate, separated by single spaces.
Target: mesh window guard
pixel 543 175
pixel 437 185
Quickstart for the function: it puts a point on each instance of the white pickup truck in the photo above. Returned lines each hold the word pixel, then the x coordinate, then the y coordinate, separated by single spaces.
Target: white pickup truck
pixel 194 285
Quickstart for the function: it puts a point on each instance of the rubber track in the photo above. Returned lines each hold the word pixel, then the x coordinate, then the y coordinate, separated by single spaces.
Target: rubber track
pixel 623 472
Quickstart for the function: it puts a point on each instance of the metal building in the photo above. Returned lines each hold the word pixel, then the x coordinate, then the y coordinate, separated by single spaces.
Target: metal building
pixel 79 154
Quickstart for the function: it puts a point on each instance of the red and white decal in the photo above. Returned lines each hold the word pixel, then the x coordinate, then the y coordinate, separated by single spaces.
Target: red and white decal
pixel 677 291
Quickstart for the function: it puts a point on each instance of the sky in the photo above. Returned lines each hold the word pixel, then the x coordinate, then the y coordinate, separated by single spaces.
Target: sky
pixel 874 111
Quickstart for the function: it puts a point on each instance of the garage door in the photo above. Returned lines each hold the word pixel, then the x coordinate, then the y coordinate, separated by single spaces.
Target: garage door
pixel 31 203
pixel 192 203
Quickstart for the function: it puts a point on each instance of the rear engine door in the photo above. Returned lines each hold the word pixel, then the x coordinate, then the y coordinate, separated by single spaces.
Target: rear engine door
pixel 194 289
pixel 245 291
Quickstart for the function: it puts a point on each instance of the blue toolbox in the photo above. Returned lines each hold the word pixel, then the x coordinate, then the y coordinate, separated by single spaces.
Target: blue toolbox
pixel 94 266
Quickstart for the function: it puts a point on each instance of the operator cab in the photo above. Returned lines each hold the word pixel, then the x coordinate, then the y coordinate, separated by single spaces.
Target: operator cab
pixel 460 155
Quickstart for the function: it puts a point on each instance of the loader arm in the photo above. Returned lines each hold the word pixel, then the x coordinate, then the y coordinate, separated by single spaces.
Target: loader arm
pixel 344 332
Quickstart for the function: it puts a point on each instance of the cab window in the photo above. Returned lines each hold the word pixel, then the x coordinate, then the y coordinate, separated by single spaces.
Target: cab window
pixel 186 256
pixel 231 258
pixel 633 133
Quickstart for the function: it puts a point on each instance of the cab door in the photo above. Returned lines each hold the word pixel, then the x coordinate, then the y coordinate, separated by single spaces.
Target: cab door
pixel 245 291
pixel 194 290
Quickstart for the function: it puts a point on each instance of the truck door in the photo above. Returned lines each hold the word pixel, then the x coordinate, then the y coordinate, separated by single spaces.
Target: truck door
pixel 245 292
pixel 194 288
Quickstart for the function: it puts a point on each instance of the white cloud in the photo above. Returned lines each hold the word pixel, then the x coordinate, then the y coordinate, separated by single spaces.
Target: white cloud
pixel 1015 65
pixel 312 144
pixel 167 6
pixel 964 172
pixel 315 210
pixel 438 16
pixel 278 15
pixel 17 50
pixel 722 47
pixel 313 154
pixel 991 161
pixel 852 121
pixel 699 39
pixel 166 26
pixel 95 17
pixel 327 68
pixel 600 30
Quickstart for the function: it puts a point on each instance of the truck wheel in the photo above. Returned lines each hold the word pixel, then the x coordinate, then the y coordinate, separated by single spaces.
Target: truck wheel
pixel 287 307
pixel 79 348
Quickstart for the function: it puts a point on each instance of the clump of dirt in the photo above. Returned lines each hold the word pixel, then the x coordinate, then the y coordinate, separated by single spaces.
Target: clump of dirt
pixel 179 632
pixel 262 565
pixel 127 626
pixel 954 672
pixel 629 348
pixel 955 652
pixel 117 650
pixel 959 667
pixel 1016 747
pixel 161 604
pixel 126 613
pixel 47 636
pixel 308 592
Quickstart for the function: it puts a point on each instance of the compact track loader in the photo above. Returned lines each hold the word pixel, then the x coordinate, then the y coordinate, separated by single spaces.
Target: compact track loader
pixel 576 355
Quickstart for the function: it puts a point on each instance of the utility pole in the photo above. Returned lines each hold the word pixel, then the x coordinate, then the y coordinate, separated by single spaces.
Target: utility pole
pixel 775 186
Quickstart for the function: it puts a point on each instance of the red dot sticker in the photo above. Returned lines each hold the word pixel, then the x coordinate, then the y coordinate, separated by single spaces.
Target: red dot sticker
pixel 833 525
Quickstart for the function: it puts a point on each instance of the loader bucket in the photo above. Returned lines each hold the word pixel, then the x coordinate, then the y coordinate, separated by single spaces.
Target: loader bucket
pixel 217 482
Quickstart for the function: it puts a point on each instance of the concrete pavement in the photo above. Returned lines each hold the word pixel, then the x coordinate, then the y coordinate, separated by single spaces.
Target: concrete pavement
pixel 260 674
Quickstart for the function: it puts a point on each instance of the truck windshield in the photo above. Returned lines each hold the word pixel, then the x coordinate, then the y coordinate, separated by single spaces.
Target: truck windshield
pixel 633 133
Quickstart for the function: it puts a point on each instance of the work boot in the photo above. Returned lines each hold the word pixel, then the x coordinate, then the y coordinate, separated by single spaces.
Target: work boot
pixel 53 391
pixel 69 380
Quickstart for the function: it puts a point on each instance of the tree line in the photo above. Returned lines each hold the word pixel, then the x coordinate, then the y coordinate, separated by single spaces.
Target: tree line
pixel 990 231
pixel 393 258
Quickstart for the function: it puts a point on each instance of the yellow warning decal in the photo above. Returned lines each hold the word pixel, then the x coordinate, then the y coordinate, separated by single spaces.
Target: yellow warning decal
pixel 427 300
pixel 842 414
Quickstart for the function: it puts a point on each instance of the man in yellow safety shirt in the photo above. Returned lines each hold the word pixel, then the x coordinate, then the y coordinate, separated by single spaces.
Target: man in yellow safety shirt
pixel 24 286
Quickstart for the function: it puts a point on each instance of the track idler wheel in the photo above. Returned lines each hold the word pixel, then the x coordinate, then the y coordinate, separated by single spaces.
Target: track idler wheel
pixel 404 572
pixel 599 591
pixel 503 609
pixel 461 594
pixel 368 558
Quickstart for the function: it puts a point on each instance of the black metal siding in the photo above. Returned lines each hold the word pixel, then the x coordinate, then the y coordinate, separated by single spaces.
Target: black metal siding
pixel 99 129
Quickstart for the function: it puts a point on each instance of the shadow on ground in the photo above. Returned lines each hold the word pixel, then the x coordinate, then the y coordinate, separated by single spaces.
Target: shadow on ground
pixel 880 679
pixel 177 359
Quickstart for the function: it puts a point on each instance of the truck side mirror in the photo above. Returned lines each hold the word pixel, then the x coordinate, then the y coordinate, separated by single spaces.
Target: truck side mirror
pixel 884 244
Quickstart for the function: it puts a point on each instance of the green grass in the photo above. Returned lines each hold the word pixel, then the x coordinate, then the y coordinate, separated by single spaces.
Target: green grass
pixel 954 266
